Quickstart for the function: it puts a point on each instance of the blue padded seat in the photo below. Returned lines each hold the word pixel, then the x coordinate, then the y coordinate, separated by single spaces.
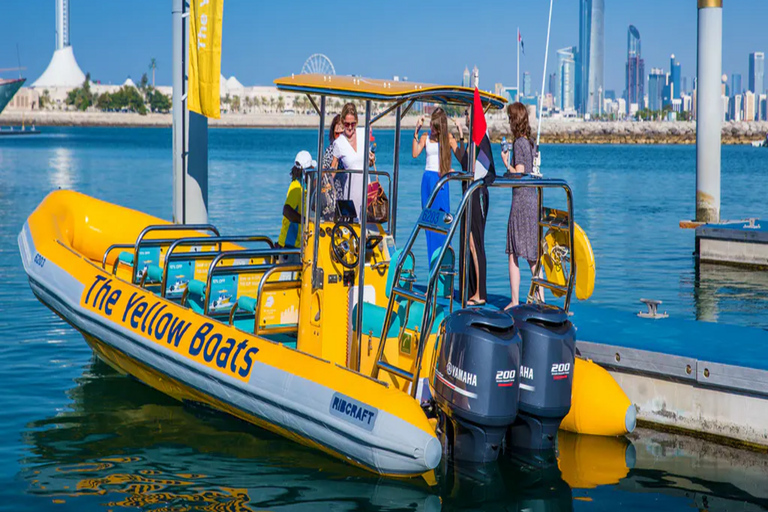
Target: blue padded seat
pixel 154 274
pixel 125 258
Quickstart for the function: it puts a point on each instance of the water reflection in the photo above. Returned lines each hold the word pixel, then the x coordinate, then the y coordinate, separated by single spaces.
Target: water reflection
pixel 721 290
pixel 123 445
pixel 62 168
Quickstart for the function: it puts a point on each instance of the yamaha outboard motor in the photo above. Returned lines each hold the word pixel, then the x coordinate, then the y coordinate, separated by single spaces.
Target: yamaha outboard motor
pixel 546 375
pixel 476 382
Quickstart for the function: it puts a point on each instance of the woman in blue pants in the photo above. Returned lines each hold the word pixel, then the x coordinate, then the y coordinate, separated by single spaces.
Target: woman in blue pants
pixel 439 145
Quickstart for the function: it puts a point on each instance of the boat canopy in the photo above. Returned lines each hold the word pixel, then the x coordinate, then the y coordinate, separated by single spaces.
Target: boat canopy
pixel 385 90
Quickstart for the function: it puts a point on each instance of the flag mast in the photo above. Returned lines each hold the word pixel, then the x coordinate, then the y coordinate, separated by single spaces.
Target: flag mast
pixel 517 98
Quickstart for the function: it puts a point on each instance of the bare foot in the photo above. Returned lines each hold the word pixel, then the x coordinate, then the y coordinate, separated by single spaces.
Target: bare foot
pixel 510 306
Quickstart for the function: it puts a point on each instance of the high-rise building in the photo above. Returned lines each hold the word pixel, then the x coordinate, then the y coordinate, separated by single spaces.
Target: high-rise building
pixel 566 78
pixel 475 82
pixel 757 72
pixel 657 82
pixel 591 55
pixel 674 78
pixel 684 86
pixel 552 89
pixel 465 78
pixel 736 84
pixel 635 75
pixel 749 106
pixel 526 84
pixel 736 107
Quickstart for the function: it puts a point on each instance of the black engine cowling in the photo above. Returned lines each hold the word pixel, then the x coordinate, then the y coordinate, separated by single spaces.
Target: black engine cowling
pixel 476 381
pixel 546 375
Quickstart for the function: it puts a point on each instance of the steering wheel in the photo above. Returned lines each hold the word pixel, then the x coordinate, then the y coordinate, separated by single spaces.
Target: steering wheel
pixel 345 244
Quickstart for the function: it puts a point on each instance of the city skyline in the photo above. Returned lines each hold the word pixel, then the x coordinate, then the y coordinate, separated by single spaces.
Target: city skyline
pixel 109 45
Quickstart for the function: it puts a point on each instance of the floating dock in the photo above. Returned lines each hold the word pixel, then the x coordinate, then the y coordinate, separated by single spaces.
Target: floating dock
pixel 696 376
pixel 743 243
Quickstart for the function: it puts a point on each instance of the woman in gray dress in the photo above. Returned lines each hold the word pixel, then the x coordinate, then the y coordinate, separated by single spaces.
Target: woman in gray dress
pixel 522 229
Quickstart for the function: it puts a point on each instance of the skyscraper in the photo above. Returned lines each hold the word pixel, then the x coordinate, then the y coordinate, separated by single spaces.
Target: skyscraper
pixel 674 78
pixel 635 76
pixel 591 55
pixel 757 72
pixel 552 89
pixel 526 84
pixel 736 84
pixel 475 82
pixel 465 78
pixel 566 78
pixel 657 82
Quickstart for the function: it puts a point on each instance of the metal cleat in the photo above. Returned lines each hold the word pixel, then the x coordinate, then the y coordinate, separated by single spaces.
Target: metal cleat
pixel 751 224
pixel 652 309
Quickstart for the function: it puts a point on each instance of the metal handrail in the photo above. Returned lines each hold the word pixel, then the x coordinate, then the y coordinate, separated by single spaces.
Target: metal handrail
pixel 169 256
pixel 165 227
pixel 248 253
pixel 429 315
pixel 279 285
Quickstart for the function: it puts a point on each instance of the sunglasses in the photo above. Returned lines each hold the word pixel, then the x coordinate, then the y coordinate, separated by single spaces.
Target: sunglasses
pixel 350 125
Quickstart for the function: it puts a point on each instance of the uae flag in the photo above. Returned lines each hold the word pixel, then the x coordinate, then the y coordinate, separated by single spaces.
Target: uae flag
pixel 484 167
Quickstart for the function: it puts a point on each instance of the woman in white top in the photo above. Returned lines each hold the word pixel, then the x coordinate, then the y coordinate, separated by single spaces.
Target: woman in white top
pixel 439 146
pixel 348 149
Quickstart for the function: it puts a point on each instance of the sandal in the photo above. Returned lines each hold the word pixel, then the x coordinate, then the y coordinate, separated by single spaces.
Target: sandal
pixel 475 303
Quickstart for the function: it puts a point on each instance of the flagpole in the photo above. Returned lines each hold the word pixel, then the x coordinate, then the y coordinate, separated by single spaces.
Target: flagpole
pixel 518 65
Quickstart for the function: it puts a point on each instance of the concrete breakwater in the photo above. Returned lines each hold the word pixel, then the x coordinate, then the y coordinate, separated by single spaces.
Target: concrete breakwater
pixel 630 132
pixel 553 131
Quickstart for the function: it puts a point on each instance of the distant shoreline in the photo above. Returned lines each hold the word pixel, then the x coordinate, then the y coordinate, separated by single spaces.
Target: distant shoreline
pixel 554 131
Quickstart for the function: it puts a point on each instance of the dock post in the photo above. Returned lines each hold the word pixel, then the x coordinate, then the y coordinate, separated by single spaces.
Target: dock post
pixel 190 166
pixel 709 110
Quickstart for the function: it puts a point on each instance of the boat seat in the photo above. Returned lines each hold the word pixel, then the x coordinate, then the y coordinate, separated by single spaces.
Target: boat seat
pixel 195 296
pixel 125 257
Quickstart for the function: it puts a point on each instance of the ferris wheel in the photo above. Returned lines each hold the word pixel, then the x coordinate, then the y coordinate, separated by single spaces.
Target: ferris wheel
pixel 318 64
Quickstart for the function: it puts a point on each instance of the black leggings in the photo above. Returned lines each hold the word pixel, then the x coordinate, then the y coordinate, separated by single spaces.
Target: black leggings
pixel 479 215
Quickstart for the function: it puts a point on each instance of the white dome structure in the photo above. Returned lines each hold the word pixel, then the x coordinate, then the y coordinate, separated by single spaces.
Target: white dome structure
pixel 129 82
pixel 63 70
pixel 234 85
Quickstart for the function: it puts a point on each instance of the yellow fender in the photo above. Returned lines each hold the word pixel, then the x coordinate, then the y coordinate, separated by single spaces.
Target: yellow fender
pixel 556 240
pixel 587 462
pixel 598 405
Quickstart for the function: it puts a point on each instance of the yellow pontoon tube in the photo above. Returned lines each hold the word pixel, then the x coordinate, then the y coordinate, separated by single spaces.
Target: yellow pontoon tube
pixel 192 357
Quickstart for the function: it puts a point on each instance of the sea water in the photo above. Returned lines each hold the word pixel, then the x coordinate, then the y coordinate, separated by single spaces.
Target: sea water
pixel 76 435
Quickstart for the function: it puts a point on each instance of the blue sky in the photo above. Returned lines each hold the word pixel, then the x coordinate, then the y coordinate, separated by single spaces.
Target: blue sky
pixel 423 40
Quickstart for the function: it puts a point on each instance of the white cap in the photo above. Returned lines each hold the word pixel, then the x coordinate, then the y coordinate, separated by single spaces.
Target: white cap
pixel 304 160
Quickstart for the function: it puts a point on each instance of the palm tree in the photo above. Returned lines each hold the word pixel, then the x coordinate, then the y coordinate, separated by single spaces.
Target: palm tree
pixel 152 66
pixel 280 103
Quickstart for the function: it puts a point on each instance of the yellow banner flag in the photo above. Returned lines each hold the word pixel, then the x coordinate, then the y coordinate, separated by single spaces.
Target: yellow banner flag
pixel 205 17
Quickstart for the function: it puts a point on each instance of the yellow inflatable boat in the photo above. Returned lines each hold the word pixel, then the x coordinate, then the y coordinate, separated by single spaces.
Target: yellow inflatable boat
pixel 335 344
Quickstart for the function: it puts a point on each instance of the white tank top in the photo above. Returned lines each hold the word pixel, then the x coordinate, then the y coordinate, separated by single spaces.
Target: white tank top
pixel 433 156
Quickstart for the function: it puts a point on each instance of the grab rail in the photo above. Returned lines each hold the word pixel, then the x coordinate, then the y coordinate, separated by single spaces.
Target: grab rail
pixel 264 285
pixel 248 253
pixel 181 242
pixel 165 227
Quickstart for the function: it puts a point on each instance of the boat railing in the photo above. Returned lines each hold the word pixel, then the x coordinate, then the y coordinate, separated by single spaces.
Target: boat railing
pixel 217 269
pixel 266 286
pixel 377 173
pixel 172 255
pixel 142 241
pixel 447 223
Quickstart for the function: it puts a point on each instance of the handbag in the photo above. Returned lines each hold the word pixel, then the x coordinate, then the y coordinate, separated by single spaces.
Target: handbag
pixel 378 204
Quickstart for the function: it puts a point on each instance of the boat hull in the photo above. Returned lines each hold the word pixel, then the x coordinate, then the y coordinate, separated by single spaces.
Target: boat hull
pixel 191 357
